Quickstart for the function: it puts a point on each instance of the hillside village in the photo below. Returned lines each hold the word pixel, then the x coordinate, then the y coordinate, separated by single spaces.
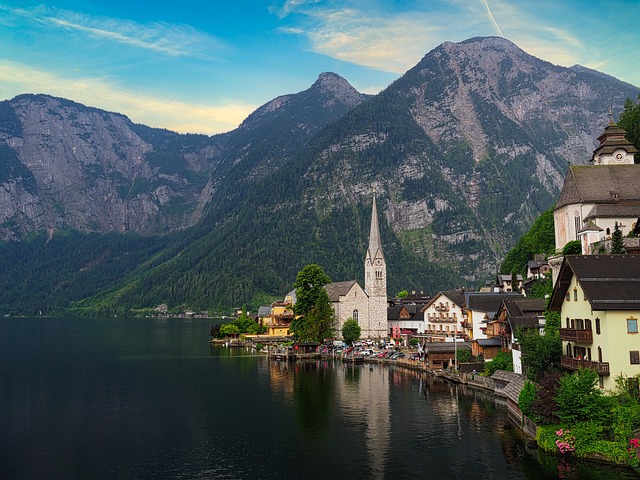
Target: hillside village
pixel 597 295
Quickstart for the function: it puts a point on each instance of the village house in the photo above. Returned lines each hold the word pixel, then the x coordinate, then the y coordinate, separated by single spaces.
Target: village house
pixel 444 316
pixel 441 355
pixel 404 314
pixel 480 308
pixel 598 297
pixel 504 283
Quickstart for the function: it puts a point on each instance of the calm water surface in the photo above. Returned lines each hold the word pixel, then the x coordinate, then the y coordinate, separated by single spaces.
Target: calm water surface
pixel 152 399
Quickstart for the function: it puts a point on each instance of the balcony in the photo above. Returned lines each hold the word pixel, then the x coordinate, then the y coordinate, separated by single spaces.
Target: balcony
pixel 576 335
pixel 571 363
pixel 441 308
pixel 443 319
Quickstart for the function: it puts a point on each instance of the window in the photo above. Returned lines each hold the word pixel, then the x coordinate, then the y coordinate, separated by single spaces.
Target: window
pixel 598 325
pixel 632 325
pixel 634 357
pixel 576 221
pixel 568 296
pixel 575 294
pixel 355 315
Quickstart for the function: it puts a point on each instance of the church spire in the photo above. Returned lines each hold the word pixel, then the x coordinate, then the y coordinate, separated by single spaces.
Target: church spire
pixel 375 244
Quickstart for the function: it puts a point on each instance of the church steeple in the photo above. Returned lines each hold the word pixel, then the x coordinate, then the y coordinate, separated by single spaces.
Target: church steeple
pixel 375 265
pixel 614 148
pixel 375 245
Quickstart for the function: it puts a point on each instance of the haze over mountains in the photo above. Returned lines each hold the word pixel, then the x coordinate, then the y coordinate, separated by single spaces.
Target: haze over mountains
pixel 464 151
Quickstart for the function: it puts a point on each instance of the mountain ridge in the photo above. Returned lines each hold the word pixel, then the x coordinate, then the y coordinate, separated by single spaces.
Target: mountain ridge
pixel 465 150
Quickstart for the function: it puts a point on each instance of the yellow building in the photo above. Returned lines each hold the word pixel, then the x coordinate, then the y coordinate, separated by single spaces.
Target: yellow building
pixel 598 297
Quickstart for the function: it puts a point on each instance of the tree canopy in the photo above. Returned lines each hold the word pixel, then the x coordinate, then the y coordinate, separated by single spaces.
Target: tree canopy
pixel 314 315
pixel 351 331
pixel 630 121
pixel 617 242
pixel 309 286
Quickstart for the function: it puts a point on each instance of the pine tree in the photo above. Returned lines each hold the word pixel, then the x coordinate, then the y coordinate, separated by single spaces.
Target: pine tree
pixel 617 242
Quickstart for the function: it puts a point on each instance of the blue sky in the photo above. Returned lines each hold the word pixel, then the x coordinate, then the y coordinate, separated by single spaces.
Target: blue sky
pixel 202 66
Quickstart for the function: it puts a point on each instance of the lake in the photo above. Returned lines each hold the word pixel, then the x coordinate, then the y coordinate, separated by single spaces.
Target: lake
pixel 152 399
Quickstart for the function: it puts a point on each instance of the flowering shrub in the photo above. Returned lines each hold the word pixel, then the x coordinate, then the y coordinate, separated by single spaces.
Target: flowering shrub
pixel 565 441
pixel 634 450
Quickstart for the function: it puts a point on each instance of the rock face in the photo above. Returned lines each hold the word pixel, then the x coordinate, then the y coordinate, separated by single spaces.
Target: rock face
pixel 92 170
pixel 68 165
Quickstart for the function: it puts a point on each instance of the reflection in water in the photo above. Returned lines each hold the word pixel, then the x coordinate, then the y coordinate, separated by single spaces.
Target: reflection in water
pixel 365 398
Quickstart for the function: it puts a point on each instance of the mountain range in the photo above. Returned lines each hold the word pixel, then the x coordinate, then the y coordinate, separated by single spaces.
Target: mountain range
pixel 464 151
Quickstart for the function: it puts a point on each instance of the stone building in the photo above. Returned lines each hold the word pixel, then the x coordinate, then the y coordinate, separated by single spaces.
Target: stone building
pixel 367 306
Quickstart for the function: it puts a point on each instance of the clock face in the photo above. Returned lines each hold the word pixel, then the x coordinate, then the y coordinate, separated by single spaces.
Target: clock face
pixel 378 262
pixel 619 156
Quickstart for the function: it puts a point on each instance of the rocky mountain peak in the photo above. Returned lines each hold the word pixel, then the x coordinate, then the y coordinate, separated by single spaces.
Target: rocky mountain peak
pixel 333 85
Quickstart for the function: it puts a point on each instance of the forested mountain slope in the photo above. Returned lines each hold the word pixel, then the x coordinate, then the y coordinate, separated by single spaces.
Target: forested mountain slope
pixel 465 151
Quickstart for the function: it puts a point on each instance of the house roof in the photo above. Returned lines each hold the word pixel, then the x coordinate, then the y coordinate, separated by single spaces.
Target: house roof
pixel 600 184
pixel 336 290
pixel 610 282
pixel 445 347
pixel 488 301
pixel 524 312
pixel 456 296
pixel 489 342
pixel 514 384
pixel 264 311
pixel 393 313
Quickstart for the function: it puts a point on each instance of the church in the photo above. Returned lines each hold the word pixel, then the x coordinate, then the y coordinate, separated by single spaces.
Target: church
pixel 366 306
pixel 594 198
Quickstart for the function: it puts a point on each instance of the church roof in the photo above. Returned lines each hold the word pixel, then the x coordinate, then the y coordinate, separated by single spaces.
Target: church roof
pixel 622 209
pixel 600 184
pixel 336 290
pixel 610 282
pixel 591 226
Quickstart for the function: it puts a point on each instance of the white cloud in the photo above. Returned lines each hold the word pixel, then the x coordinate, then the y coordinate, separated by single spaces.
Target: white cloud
pixel 166 38
pixel 175 115
pixel 388 43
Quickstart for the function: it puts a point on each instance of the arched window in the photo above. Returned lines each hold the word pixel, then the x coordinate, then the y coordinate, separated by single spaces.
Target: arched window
pixel 355 315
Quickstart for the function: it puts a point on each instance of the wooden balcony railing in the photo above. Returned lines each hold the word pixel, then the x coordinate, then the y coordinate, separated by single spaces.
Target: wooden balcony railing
pixel 574 364
pixel 576 335
pixel 441 308
pixel 443 319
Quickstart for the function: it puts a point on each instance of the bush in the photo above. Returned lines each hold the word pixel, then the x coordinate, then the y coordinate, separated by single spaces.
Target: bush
pixel 544 406
pixel 502 361
pixel 578 398
pixel 526 399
